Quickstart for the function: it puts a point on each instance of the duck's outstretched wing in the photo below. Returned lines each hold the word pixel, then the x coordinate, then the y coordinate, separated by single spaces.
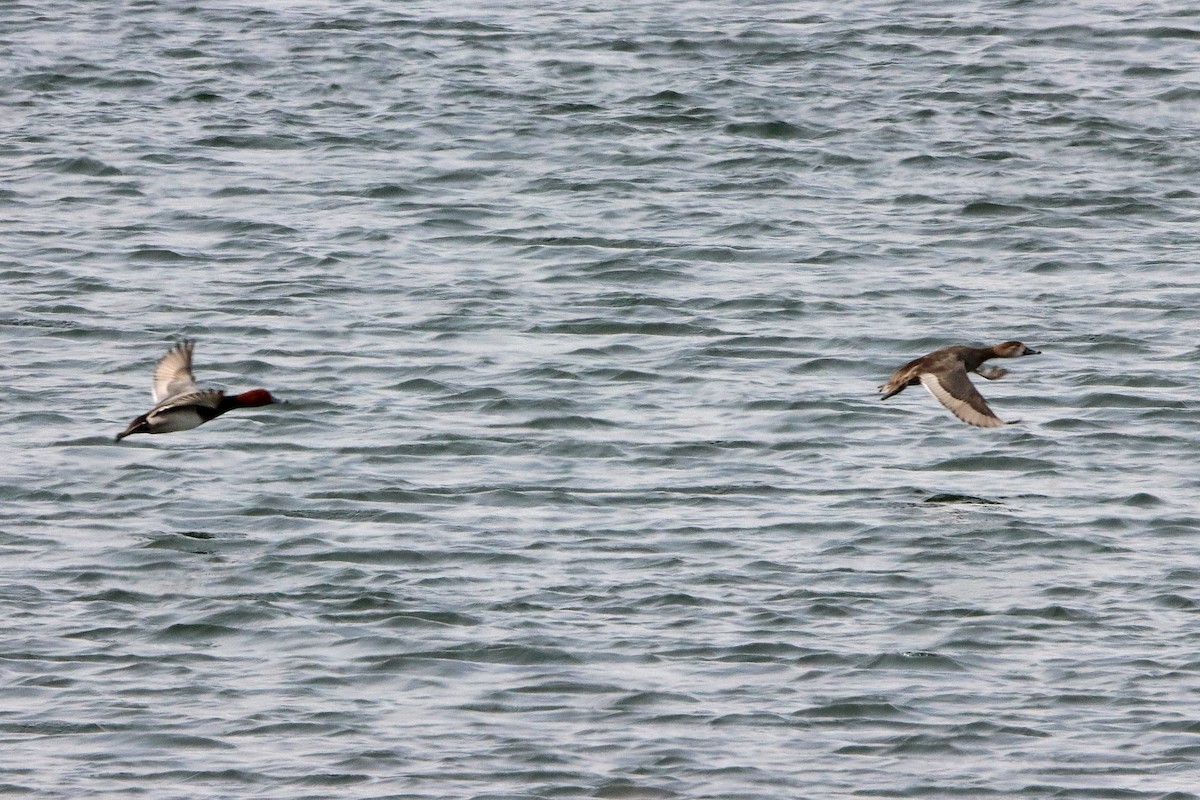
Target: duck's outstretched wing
pixel 955 391
pixel 205 400
pixel 173 375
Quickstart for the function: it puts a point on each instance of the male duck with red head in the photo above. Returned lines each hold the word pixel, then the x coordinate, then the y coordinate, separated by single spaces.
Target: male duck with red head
pixel 944 373
pixel 180 405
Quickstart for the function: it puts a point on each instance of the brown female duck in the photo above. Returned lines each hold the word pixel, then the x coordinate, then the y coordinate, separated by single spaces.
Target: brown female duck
pixel 944 373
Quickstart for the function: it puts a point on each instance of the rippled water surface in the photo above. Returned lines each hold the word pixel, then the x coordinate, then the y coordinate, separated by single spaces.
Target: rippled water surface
pixel 583 488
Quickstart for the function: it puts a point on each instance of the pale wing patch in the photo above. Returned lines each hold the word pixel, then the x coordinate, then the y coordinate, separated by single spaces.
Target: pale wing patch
pixel 173 375
pixel 209 398
pixel 955 391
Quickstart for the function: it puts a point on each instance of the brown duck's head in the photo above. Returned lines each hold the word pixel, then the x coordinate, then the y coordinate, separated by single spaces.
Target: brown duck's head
pixel 1014 350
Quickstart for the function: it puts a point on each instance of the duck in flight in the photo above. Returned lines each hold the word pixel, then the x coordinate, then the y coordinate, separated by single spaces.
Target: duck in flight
pixel 179 405
pixel 944 373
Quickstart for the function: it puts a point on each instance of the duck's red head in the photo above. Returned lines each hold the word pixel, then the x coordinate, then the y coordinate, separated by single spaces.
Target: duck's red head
pixel 254 397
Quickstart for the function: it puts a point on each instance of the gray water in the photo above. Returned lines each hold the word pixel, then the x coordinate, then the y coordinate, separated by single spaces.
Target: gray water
pixel 583 488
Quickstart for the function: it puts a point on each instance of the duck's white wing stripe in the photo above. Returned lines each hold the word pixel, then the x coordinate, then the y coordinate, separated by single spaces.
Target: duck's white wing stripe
pixel 208 398
pixel 173 375
pixel 955 391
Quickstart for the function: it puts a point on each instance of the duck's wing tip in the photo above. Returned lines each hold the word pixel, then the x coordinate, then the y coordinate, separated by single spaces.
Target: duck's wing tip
pixel 173 374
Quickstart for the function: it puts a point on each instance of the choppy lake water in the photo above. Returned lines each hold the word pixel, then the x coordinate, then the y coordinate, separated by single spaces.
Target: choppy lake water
pixel 583 488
